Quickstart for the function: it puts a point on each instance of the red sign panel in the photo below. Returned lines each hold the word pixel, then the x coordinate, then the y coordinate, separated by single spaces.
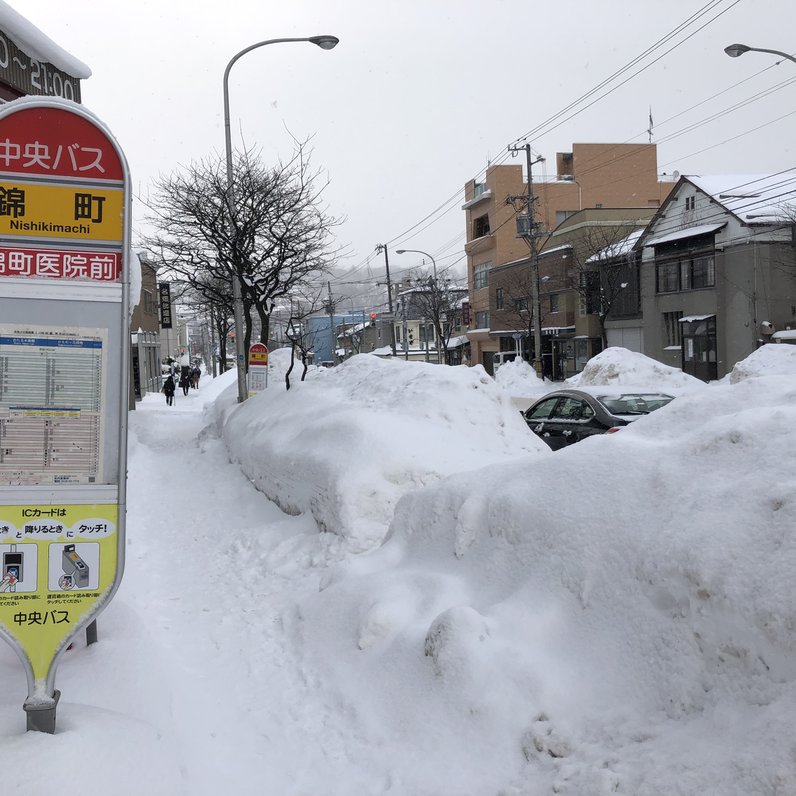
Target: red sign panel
pixel 258 354
pixel 56 143
pixel 93 266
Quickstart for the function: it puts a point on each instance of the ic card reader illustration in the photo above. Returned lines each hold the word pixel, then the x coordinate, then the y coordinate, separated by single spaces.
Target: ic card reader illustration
pixel 11 573
pixel 74 565
pixel 12 565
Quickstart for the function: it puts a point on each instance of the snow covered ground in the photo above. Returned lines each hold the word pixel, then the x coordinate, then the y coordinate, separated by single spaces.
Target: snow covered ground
pixel 444 606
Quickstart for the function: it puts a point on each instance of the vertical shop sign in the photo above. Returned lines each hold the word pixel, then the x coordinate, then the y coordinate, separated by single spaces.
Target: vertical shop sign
pixel 64 363
pixel 164 289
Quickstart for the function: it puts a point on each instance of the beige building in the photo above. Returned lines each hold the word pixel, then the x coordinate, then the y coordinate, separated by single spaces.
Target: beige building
pixel 590 176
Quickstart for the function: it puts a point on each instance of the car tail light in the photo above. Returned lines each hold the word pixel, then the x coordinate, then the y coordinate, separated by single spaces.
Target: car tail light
pixel 613 429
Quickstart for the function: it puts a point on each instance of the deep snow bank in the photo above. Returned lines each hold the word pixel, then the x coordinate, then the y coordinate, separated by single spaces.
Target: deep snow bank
pixel 617 366
pixel 614 618
pixel 348 442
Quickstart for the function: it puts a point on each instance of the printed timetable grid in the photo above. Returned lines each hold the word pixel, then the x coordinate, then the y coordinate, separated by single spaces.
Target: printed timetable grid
pixel 50 406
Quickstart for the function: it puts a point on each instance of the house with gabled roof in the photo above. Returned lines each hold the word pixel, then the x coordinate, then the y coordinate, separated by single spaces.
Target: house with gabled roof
pixel 718 270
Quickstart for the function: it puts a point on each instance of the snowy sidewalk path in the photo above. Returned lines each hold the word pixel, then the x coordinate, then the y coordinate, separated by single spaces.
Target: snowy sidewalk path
pixel 247 719
pixel 200 652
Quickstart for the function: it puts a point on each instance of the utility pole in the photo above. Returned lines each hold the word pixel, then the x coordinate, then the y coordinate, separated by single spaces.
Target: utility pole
pixel 530 236
pixel 213 339
pixel 383 247
pixel 330 309
pixel 405 326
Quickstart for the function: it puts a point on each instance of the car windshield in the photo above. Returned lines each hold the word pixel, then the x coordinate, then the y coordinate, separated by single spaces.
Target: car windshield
pixel 634 403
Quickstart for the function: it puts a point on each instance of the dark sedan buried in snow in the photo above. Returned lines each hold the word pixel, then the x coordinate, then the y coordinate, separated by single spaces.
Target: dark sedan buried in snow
pixel 563 417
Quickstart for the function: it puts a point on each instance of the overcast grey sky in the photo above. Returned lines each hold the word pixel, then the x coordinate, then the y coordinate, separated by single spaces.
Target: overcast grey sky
pixel 420 96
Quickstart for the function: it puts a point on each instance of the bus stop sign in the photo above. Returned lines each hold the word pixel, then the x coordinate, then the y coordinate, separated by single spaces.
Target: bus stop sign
pixel 64 362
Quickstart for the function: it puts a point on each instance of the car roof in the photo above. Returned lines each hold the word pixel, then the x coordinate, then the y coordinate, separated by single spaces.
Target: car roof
pixel 603 392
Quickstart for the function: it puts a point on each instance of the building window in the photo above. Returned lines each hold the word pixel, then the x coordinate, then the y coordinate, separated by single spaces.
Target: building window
pixel 149 302
pixel 426 331
pixel 690 202
pixel 554 302
pixel 481 226
pixel 481 320
pixel 691 273
pixel 666 280
pixel 563 215
pixel 499 298
pixel 672 329
pixel 521 304
pixel 481 275
pixel 703 272
pixel 478 189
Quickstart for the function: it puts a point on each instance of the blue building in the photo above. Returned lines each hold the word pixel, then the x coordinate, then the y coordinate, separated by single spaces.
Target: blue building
pixel 323 340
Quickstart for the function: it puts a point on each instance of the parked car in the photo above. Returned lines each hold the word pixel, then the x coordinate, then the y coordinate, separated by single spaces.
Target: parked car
pixel 563 417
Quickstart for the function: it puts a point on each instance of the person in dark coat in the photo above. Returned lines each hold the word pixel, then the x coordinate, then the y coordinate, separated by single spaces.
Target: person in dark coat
pixel 185 383
pixel 168 389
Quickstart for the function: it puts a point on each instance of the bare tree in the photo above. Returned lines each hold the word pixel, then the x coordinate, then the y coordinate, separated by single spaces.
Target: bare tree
pixel 437 300
pixel 304 304
pixel 276 236
pixel 604 267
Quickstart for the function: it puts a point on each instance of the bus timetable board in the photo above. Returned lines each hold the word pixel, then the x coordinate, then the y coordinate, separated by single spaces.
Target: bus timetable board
pixel 51 387
pixel 64 362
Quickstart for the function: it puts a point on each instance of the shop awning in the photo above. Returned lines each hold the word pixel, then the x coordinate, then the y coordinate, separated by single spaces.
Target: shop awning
pixel 691 318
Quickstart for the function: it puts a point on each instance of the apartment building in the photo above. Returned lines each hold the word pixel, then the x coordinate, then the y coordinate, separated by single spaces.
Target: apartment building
pixel 591 176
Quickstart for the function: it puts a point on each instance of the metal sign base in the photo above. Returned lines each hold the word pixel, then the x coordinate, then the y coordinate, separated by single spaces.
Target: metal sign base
pixel 41 715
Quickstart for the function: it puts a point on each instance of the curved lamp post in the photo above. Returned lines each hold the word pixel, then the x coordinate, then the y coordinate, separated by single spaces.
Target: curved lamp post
pixel 734 50
pixel 434 264
pixel 325 43
pixel 425 254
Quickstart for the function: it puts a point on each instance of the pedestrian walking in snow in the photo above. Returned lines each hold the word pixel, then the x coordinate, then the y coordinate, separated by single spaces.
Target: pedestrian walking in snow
pixel 185 383
pixel 168 390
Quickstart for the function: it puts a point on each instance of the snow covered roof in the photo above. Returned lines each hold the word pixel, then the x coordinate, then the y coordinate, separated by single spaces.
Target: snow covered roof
pixel 619 248
pixel 38 46
pixel 753 198
pixel 352 330
pixel 689 232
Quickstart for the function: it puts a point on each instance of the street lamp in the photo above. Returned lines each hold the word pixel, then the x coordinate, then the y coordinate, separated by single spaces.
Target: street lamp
pixel 435 295
pixel 325 43
pixel 425 254
pixel 734 50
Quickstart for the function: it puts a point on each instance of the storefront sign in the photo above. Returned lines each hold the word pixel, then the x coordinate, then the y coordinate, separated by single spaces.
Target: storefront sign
pixel 30 76
pixel 165 304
